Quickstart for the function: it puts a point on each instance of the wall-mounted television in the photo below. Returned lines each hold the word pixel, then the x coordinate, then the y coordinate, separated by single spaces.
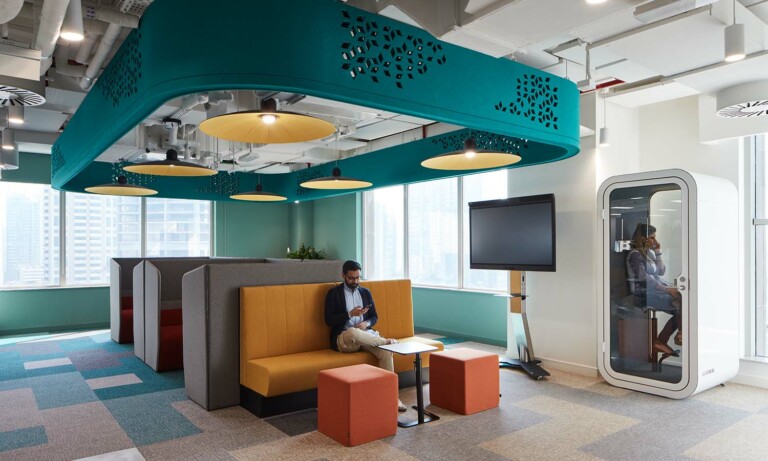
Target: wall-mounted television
pixel 513 234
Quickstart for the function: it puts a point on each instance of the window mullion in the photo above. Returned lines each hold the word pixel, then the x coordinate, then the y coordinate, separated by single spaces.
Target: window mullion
pixel 406 240
pixel 460 223
pixel 62 238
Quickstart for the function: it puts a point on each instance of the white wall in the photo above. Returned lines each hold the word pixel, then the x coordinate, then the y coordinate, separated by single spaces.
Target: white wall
pixel 562 308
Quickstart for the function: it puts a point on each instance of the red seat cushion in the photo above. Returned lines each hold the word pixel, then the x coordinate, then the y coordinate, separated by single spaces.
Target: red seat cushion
pixel 170 349
pixel 126 302
pixel 170 317
pixel 126 326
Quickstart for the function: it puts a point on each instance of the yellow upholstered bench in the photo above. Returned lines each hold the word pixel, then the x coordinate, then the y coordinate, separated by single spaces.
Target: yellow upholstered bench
pixel 284 341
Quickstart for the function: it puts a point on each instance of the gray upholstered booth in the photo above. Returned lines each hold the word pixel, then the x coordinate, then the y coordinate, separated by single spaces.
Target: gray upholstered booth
pixel 211 325
pixel 157 311
pixel 121 298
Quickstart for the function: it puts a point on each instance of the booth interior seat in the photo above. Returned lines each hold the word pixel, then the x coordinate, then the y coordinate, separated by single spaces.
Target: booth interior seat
pixel 285 343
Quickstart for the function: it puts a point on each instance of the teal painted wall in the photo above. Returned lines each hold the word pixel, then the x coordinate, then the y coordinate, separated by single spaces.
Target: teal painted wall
pixel 34 168
pixel 302 224
pixel 337 226
pixel 251 229
pixel 476 316
pixel 53 309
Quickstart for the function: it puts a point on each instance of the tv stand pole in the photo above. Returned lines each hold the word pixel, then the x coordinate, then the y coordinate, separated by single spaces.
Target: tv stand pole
pixel 529 364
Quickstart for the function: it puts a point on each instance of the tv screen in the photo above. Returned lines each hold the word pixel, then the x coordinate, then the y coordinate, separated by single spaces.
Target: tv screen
pixel 513 234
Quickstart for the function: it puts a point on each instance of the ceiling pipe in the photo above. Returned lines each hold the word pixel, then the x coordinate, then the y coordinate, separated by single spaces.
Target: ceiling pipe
pixel 62 63
pixel 86 46
pixel 9 9
pixel 105 46
pixel 51 18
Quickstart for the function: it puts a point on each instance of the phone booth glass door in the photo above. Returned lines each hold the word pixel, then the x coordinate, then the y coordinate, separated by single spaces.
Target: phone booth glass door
pixel 646 261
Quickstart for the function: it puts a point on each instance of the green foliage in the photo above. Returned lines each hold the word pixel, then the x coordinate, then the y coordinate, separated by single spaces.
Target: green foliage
pixel 306 252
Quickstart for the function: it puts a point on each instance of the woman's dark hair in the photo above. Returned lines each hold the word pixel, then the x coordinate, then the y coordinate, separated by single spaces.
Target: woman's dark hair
pixel 642 231
pixel 350 266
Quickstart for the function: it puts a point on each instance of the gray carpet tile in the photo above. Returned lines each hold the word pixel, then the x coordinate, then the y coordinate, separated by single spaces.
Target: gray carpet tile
pixel 295 423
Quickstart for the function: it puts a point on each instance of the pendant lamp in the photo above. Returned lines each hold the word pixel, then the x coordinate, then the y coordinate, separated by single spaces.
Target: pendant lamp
pixel 267 126
pixel 258 195
pixel 121 187
pixel 603 133
pixel 734 40
pixel 470 159
pixel 171 166
pixel 336 181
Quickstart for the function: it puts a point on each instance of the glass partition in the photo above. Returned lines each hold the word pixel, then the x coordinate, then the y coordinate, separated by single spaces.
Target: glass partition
pixel 647 286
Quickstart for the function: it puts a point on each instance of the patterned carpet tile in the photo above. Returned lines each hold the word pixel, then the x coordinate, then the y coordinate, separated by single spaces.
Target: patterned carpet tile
pixel 314 445
pixel 108 401
pixel 73 432
pixel 737 396
pixel 93 359
pixel 20 438
pixel 18 408
pixel 743 440
pixel 568 428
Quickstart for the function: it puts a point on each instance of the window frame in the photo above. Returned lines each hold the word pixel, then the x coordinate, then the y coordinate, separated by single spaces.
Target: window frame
pixel 62 220
pixel 459 181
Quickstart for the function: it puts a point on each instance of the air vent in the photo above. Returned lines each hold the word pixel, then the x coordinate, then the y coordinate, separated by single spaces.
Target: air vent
pixel 21 92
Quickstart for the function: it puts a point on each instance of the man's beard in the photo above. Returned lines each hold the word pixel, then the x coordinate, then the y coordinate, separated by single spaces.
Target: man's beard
pixel 352 286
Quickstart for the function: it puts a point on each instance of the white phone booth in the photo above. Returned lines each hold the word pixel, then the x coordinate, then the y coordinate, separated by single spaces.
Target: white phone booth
pixel 668 282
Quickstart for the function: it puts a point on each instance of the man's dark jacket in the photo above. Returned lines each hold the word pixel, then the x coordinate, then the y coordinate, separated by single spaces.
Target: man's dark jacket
pixel 336 311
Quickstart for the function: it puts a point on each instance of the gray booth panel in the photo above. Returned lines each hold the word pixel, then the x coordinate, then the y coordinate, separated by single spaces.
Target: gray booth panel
pixel 211 321
pixel 162 289
pixel 120 284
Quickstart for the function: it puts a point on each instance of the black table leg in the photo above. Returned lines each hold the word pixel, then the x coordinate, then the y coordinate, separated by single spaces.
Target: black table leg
pixel 424 416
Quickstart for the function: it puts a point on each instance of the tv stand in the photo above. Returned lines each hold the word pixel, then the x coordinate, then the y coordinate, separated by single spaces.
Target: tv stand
pixel 527 361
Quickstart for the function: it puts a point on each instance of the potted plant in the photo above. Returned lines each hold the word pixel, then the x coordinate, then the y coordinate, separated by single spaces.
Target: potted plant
pixel 306 252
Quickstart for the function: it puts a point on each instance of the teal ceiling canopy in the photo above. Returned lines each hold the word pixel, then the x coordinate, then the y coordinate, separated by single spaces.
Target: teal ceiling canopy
pixel 327 49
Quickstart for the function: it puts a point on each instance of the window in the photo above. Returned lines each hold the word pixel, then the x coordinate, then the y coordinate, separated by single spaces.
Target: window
pixel 384 224
pixel 99 228
pixel 95 229
pixel 29 230
pixel 421 231
pixel 760 152
pixel 433 233
pixel 178 227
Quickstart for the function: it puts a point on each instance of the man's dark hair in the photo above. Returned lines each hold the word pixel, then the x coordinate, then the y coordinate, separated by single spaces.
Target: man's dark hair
pixel 350 266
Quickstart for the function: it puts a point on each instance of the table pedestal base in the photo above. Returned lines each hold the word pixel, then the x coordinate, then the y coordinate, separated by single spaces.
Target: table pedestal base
pixel 428 416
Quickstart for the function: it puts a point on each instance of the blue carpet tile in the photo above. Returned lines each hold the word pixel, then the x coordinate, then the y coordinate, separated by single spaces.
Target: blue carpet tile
pixel 20 438
pixel 150 418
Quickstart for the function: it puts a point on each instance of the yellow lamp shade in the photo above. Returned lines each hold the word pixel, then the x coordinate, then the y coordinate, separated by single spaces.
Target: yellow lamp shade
pixel 267 127
pixel 171 166
pixel 470 159
pixel 121 188
pixel 336 181
pixel 258 196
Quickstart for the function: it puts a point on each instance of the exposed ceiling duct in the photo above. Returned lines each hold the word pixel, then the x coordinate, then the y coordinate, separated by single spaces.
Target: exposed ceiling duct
pixel 657 10
pixel 105 46
pixel 51 19
pixel 9 9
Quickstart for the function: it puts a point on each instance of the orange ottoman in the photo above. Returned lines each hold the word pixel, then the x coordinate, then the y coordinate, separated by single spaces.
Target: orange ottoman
pixel 464 380
pixel 357 404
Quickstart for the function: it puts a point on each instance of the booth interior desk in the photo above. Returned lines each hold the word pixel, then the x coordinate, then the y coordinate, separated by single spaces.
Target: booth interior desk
pixel 416 349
